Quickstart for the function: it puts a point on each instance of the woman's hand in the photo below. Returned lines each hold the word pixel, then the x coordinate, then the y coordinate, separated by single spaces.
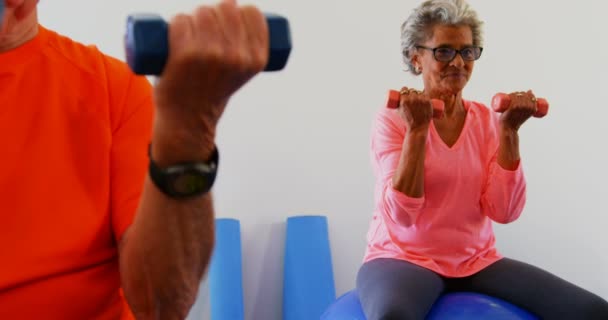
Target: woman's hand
pixel 416 109
pixel 522 107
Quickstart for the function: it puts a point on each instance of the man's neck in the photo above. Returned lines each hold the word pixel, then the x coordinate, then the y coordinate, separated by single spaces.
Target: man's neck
pixel 17 33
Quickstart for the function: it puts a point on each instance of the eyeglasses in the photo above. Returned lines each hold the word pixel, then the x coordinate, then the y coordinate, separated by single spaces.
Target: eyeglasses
pixel 447 54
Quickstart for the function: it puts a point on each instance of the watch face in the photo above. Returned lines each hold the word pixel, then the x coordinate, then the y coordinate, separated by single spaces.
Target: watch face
pixel 189 183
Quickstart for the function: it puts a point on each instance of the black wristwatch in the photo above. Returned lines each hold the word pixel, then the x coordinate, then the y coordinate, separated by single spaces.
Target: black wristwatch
pixel 185 180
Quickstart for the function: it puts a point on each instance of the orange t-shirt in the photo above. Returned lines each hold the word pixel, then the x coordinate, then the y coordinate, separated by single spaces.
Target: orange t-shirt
pixel 74 131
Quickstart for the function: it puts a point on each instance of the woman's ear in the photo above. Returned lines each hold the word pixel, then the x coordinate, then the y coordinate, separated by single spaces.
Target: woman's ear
pixel 415 60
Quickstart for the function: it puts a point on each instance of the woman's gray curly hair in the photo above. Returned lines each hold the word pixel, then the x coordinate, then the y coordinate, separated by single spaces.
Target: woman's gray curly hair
pixel 418 26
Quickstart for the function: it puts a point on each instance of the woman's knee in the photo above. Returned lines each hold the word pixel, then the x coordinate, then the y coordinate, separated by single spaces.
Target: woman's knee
pixel 582 306
pixel 594 308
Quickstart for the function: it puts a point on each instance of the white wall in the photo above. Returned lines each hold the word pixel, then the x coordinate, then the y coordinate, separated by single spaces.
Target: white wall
pixel 296 142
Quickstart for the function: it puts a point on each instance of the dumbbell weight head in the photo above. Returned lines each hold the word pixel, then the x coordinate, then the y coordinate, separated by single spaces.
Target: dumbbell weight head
pixel 280 41
pixel 147 44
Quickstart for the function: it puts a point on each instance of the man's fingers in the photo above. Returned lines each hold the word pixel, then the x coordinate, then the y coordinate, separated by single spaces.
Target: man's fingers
pixel 256 27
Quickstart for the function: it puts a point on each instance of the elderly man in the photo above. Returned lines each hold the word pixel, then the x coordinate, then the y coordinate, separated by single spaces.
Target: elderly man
pixel 95 222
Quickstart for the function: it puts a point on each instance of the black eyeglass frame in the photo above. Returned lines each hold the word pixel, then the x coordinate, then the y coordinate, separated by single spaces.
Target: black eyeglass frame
pixel 455 52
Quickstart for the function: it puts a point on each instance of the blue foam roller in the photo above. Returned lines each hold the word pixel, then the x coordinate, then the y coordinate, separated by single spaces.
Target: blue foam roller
pixel 147 43
pixel 308 280
pixel 225 272
pixel 468 305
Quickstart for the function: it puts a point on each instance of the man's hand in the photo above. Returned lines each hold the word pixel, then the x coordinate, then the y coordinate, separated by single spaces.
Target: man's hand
pixel 213 53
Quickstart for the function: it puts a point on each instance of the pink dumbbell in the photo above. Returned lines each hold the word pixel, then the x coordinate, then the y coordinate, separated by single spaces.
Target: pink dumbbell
pixel 501 102
pixel 394 97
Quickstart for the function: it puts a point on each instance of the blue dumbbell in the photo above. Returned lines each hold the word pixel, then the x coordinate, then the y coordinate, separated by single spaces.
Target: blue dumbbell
pixel 147 44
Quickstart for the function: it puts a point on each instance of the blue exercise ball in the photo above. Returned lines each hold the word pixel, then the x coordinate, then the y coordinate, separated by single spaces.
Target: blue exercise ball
pixel 450 306
pixel 346 307
pixel 469 305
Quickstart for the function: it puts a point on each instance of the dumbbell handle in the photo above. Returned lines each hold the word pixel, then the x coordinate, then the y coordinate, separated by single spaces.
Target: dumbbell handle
pixel 394 99
pixel 147 43
pixel 502 101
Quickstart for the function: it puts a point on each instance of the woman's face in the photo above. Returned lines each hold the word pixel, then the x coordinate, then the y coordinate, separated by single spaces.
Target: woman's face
pixel 450 76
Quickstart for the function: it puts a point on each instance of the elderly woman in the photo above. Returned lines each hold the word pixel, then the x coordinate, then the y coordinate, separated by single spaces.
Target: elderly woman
pixel 440 182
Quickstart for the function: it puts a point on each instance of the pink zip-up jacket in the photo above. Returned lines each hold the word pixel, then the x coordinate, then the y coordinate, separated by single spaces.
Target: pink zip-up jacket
pixel 449 229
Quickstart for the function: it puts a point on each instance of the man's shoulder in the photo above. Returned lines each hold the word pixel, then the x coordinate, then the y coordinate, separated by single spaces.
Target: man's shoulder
pixel 96 75
pixel 86 58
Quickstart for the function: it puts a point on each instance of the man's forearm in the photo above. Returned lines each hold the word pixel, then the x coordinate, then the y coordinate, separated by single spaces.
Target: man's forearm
pixel 168 247
pixel 165 253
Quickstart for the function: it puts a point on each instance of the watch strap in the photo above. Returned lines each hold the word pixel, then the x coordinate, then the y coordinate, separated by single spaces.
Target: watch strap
pixel 185 179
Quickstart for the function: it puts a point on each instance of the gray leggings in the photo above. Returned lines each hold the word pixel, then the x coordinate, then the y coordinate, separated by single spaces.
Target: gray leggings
pixel 395 289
